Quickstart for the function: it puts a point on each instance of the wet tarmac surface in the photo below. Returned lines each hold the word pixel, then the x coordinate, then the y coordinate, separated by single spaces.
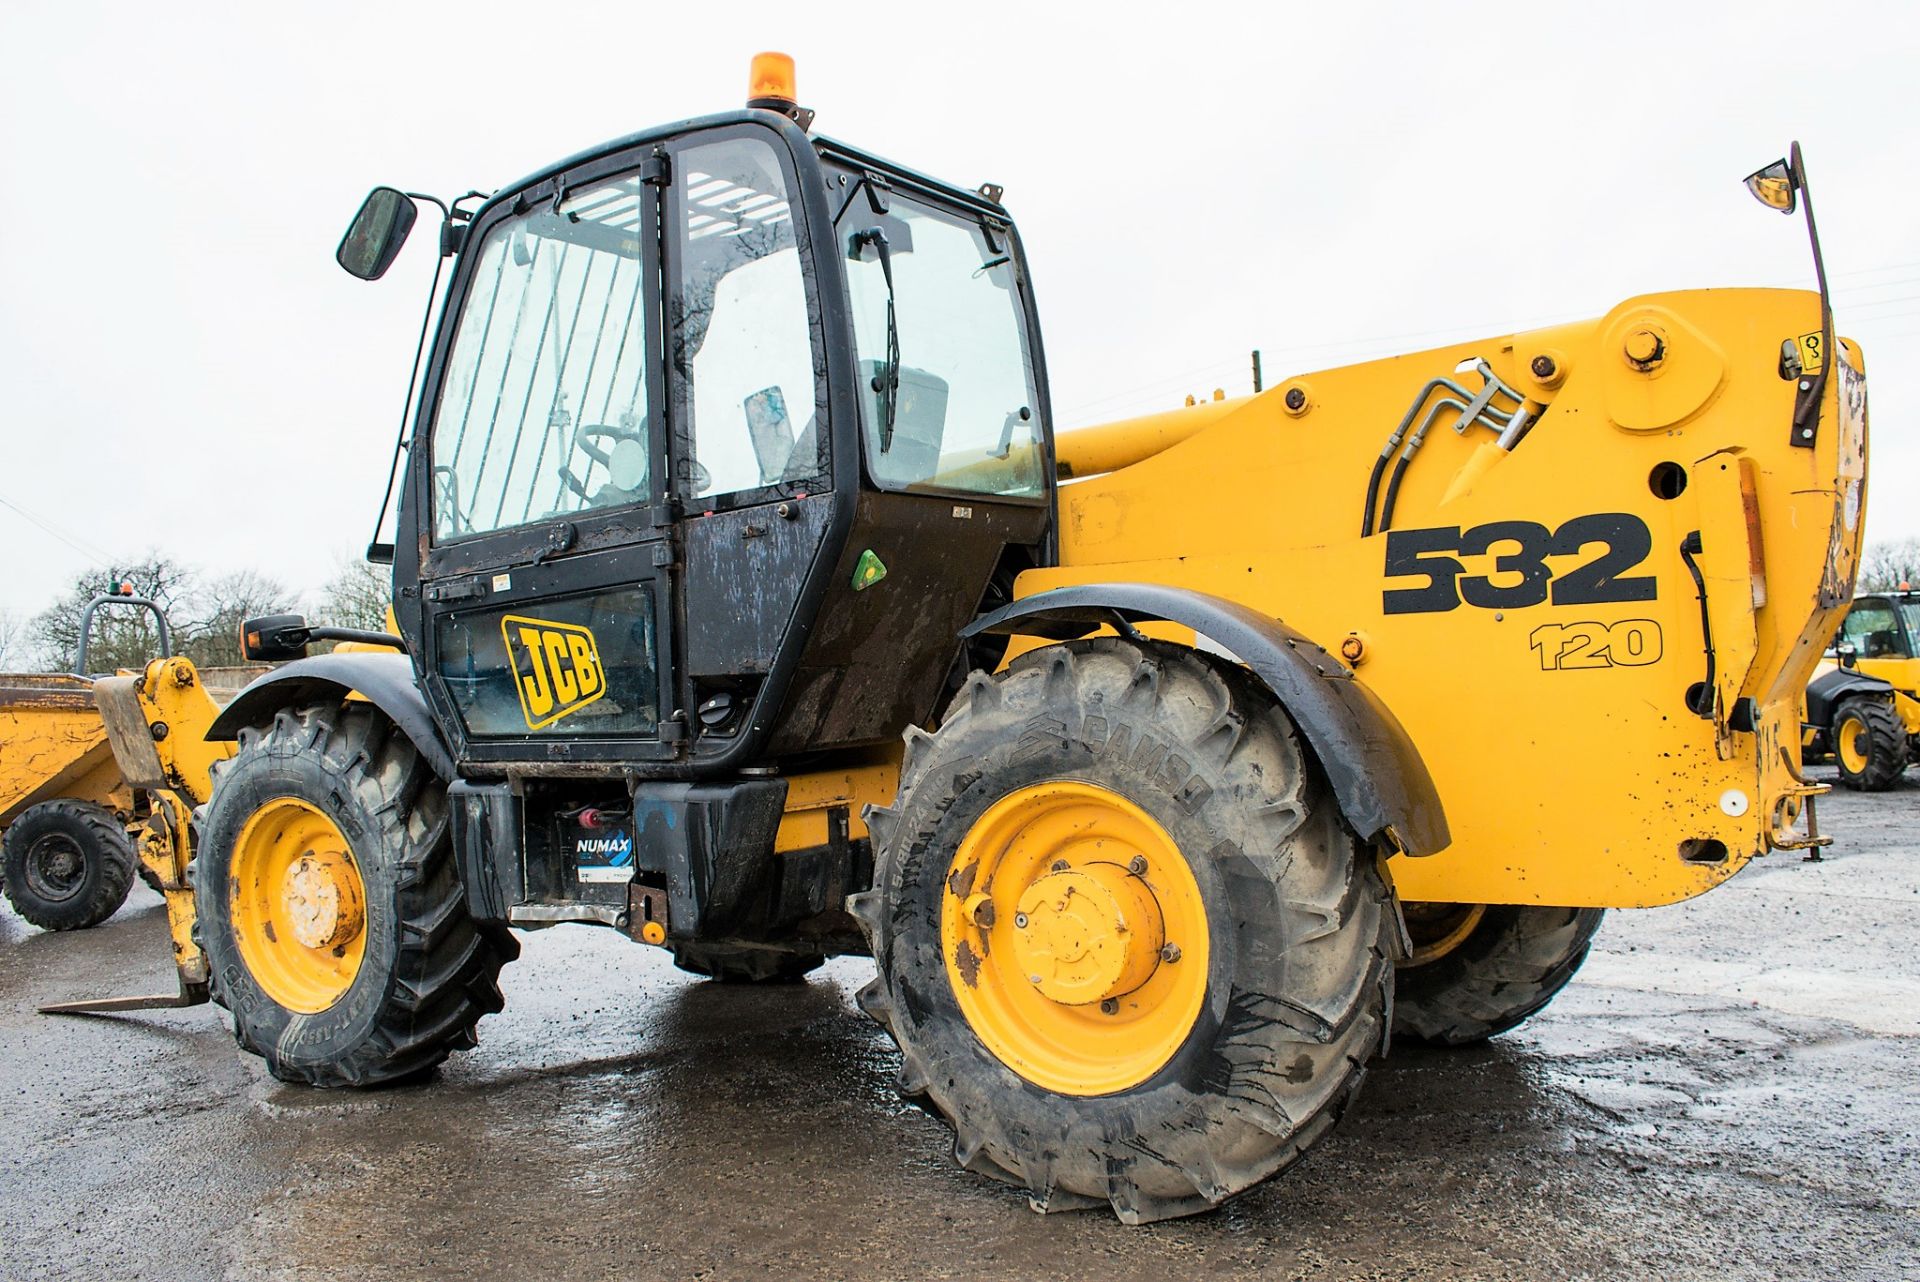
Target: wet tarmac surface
pixel 1730 1089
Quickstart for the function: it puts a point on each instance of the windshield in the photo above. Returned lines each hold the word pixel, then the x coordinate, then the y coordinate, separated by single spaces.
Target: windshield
pixel 1873 628
pixel 543 408
pixel 964 416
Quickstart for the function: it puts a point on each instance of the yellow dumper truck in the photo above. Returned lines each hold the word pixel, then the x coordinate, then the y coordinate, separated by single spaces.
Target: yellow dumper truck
pixel 98 775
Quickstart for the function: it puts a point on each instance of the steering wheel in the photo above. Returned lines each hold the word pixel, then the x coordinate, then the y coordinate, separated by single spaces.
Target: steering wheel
pixel 625 459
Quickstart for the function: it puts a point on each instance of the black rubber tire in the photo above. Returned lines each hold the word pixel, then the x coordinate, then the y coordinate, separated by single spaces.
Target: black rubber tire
pixel 1886 744
pixel 84 838
pixel 1516 961
pixel 1299 990
pixel 430 971
pixel 735 964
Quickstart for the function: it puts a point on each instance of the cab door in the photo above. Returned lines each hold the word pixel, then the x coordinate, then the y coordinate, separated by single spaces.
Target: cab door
pixel 751 452
pixel 545 536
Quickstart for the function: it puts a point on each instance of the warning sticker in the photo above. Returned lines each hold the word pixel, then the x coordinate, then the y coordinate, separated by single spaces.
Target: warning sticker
pixel 1813 352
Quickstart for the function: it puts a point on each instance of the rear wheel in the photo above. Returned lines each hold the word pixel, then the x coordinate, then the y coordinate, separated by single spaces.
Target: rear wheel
pixel 738 964
pixel 1480 969
pixel 329 907
pixel 68 865
pixel 1869 744
pixel 1124 941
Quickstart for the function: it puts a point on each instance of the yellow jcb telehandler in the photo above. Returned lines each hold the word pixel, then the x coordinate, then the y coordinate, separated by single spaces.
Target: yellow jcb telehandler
pixel 1863 708
pixel 748 604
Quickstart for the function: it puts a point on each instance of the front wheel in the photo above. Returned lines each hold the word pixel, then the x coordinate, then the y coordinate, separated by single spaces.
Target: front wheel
pixel 330 910
pixel 1869 745
pixel 68 865
pixel 1481 969
pixel 1125 943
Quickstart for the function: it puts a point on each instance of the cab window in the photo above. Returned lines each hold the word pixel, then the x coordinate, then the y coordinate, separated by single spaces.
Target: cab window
pixel 942 308
pixel 739 334
pixel 543 409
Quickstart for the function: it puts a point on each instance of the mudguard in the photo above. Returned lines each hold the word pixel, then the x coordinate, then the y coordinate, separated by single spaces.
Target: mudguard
pixel 384 680
pixel 1382 785
pixel 1825 692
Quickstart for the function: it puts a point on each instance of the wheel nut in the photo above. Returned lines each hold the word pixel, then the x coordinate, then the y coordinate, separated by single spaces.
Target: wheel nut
pixel 1033 979
pixel 1110 1007
pixel 1170 952
pixel 1059 865
pixel 1020 921
pixel 1137 865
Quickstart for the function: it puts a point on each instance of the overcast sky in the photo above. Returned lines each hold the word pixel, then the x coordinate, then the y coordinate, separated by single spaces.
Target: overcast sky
pixel 184 368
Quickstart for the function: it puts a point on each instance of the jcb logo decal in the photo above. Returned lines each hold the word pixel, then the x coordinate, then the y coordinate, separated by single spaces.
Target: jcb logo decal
pixel 556 668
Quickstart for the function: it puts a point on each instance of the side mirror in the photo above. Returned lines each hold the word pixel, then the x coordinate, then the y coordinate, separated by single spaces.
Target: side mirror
pixel 377 232
pixel 1848 653
pixel 1775 187
pixel 275 638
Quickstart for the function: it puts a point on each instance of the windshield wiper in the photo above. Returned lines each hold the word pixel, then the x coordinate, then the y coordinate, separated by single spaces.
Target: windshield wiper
pixel 887 381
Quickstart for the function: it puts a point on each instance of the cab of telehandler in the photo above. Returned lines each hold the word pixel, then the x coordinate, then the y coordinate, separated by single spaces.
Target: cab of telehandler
pixel 725 435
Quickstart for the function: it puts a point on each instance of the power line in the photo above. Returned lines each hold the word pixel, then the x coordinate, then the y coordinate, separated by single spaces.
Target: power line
pixel 94 555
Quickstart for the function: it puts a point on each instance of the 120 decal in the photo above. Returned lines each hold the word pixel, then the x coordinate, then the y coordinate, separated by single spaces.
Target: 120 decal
pixel 1521 576
pixel 1571 647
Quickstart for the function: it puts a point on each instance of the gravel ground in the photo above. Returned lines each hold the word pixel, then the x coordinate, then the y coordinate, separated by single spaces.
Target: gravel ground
pixel 1728 1090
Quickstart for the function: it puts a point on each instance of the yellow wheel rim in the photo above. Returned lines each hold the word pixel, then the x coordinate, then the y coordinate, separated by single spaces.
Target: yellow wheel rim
pixel 1438 929
pixel 298 905
pixel 1853 745
pixel 1075 937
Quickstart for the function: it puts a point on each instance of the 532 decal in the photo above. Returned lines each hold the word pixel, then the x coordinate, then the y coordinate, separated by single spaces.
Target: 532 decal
pixel 1520 575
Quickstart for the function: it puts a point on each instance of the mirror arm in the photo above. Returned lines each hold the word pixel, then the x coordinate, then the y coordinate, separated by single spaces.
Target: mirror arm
pixel 401 441
pixel 1806 407
pixel 360 636
pixel 431 199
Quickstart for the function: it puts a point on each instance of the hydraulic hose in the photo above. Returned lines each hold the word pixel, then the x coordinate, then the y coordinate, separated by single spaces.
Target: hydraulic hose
pixel 1393 491
pixel 1393 443
pixel 1373 488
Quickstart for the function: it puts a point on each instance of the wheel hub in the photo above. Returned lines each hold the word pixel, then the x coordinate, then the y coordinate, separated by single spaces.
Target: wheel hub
pixel 1075 937
pixel 1091 933
pixel 1437 929
pixel 298 905
pixel 321 897
pixel 1853 745
pixel 55 868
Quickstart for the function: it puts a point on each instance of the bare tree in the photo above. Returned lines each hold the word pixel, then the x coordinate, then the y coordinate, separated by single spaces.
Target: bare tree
pixel 1886 566
pixel 357 596
pixel 203 617
pixel 212 634
pixel 122 638
pixel 13 631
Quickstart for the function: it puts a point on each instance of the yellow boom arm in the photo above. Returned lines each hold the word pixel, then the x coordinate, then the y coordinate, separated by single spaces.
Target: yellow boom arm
pixel 1605 573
